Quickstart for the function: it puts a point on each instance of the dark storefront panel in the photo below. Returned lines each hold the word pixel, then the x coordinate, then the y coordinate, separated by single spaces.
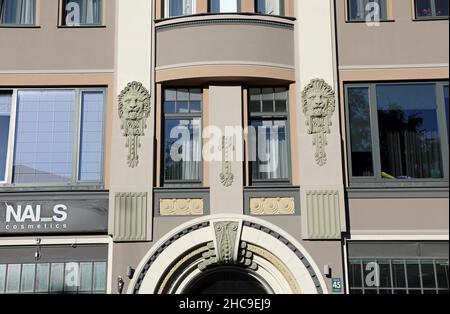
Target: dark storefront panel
pixel 398 267
pixel 53 269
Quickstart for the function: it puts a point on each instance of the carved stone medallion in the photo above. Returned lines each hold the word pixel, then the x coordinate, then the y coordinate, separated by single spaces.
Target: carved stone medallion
pixel 318 106
pixel 134 109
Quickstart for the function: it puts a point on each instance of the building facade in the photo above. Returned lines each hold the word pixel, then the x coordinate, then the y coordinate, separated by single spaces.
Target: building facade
pixel 224 146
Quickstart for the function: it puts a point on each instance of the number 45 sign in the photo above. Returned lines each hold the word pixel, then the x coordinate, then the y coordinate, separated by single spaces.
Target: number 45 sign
pixel 337 285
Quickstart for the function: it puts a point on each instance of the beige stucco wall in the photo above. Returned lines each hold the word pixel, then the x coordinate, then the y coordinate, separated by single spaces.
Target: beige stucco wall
pixel 315 58
pixel 225 110
pixel 402 41
pixel 48 47
pixel 234 42
pixel 132 63
pixel 399 216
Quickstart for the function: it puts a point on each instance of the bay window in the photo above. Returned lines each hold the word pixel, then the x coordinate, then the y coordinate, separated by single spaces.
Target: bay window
pixel 431 9
pixel 359 10
pixel 17 12
pixel 270 7
pixel 58 137
pixel 82 12
pixel 182 136
pixel 179 7
pixel 397 132
pixel 224 6
pixel 269 135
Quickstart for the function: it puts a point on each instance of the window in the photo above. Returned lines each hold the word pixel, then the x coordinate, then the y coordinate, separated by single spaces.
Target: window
pixel 224 6
pixel 82 12
pixel 182 135
pixel 397 132
pixel 179 7
pixel 269 135
pixel 270 7
pixel 398 267
pixel 399 276
pixel 58 137
pixel 17 12
pixel 446 110
pixel 360 10
pixel 431 9
pixel 5 121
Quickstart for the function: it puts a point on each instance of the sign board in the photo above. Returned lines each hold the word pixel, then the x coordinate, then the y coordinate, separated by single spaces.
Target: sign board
pixel 25 217
pixel 337 285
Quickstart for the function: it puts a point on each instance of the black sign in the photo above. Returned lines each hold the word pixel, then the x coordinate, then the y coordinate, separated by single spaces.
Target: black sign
pixel 89 216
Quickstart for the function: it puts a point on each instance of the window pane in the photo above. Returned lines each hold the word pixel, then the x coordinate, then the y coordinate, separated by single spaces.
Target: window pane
pixel 57 278
pixel 355 274
pixel 398 272
pixel 196 98
pixel 90 12
pixel 441 7
pixel 255 100
pixel 17 12
pixel 183 149
pixel 28 272
pixel 360 132
pixel 42 278
pixel 44 136
pixel 413 271
pixel 71 277
pixel 223 6
pixel 442 274
pixel 359 10
pixel 85 277
pixel 268 100
pixel 273 7
pixel 100 276
pixel 180 7
pixel 385 274
pixel 423 8
pixel 13 278
pixel 91 141
pixel 271 160
pixel 281 96
pixel 428 275
pixel 2 278
pixel 5 117
pixel 446 110
pixel 409 135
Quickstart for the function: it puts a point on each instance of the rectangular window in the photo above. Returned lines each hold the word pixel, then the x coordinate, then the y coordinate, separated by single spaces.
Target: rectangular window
pixel 395 132
pixel 431 9
pixel 179 7
pixel 362 10
pixel 58 137
pixel 269 135
pixel 82 12
pixel 182 135
pixel 446 111
pixel 270 7
pixel 224 6
pixel 17 12
pixel 5 121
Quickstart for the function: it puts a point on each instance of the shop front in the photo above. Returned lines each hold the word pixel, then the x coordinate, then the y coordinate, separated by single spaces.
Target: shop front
pixel 54 243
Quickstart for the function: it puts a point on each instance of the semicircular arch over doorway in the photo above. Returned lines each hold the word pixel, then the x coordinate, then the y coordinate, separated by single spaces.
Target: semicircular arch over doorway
pixel 254 251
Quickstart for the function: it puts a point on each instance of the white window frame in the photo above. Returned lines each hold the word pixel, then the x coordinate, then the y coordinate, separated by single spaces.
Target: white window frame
pixel 74 180
pixel 167 9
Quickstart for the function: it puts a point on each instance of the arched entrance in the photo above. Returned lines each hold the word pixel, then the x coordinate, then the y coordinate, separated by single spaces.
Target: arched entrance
pixel 228 253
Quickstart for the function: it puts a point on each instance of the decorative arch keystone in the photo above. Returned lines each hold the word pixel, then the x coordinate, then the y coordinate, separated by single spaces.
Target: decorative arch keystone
pixel 134 109
pixel 319 104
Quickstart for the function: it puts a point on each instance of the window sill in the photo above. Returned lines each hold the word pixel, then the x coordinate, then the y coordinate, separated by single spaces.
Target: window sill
pixel 429 19
pixel 81 26
pixel 54 188
pixel 404 192
pixel 20 26
pixel 364 21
